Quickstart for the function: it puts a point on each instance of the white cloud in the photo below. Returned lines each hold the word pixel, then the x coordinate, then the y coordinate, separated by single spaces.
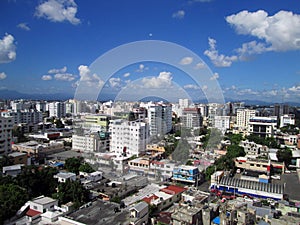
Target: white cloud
pixel 191 86
pixel 64 76
pixel 163 80
pixel 115 82
pixel 280 32
pixel 141 68
pixel 200 65
pixel 295 88
pixel 219 60
pixel 215 76
pixel 179 14
pixel 62 70
pixel 186 61
pixel 88 79
pixel 7 49
pixel 58 11
pixel 251 48
pixel 126 74
pixel 2 76
pixel 46 77
pixel 23 26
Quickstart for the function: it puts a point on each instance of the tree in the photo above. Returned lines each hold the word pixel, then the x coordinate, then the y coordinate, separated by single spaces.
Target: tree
pixel 235 139
pixel 284 155
pixel 234 151
pixel 12 198
pixel 72 191
pixel 73 164
pixel 85 167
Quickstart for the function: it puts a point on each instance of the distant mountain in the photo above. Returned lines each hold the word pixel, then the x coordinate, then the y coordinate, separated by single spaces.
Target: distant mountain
pixel 10 94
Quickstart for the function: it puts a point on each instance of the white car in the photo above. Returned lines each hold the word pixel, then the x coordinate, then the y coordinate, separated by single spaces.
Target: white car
pixel 275 177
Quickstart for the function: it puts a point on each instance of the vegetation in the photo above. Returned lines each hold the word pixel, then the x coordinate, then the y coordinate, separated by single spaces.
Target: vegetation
pixel 72 191
pixel 290 129
pixel 85 167
pixel 73 164
pixel 12 198
pixel 284 155
pixel 268 141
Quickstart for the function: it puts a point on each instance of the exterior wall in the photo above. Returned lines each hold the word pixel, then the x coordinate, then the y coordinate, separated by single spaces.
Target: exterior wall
pixel 160 119
pixel 243 117
pixel 222 123
pixel 191 118
pixel 252 164
pixel 6 124
pixel 128 137
pixel 262 126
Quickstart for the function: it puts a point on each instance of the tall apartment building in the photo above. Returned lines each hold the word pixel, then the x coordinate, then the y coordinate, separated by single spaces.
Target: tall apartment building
pixel 160 119
pixel 222 123
pixel 281 109
pixel 57 109
pixel 6 124
pixel 243 117
pixel 24 117
pixel 93 142
pixel 128 137
pixel 184 103
pixel 262 126
pixel 191 118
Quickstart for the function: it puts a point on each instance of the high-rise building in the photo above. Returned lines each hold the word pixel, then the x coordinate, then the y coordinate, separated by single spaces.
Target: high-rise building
pixel 160 119
pixel 6 124
pixel 191 118
pixel 57 109
pixel 184 103
pixel 222 123
pixel 128 137
pixel 243 117
pixel 281 109
pixel 287 119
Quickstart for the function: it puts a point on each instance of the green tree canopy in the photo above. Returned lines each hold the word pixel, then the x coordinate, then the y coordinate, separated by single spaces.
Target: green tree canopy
pixel 284 155
pixel 73 164
pixel 85 167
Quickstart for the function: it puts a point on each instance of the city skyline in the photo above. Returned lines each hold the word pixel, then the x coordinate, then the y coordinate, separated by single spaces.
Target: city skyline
pixel 252 47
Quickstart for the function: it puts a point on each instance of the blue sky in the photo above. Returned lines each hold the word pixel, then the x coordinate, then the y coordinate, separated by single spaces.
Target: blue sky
pixel 251 47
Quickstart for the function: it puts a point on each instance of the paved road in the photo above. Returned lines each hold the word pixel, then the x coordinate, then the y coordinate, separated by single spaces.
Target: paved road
pixel 292 185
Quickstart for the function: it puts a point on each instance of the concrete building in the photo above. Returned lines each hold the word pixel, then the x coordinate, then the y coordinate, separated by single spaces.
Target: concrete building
pixel 6 124
pixel 188 174
pixel 222 123
pixel 24 117
pixel 18 158
pixel 90 143
pixel 57 109
pixel 253 150
pixel 243 117
pixel 287 119
pixel 100 120
pixel 13 170
pixel 160 119
pixel 139 214
pixel 64 176
pixel 262 126
pixel 187 215
pixel 128 138
pixel 191 118
pixel 184 103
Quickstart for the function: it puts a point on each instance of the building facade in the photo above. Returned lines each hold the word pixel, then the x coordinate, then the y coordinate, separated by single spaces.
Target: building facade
pixel 6 124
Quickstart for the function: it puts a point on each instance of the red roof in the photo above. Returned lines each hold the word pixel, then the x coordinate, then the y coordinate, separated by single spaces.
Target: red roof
pixel 32 213
pixel 173 189
pixel 149 199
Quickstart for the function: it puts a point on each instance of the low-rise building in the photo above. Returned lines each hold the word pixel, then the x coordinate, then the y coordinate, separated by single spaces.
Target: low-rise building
pixel 139 213
pixel 64 176
pixel 188 174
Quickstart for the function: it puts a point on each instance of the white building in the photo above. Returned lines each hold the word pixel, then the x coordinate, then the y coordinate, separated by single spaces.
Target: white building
pixel 24 117
pixel 243 117
pixel 160 119
pixel 64 176
pixel 130 137
pixel 89 142
pixel 57 109
pixel 222 123
pixel 6 124
pixel 191 118
pixel 184 103
pixel 262 126
pixel 287 119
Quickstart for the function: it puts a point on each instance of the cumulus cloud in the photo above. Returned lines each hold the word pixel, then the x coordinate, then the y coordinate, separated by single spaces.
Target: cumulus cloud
pixel 115 82
pixel 2 76
pixel 186 61
pixel 7 49
pixel 58 11
pixel 295 88
pixel 179 14
pixel 62 70
pixel 89 79
pixel 280 32
pixel 191 86
pixel 64 76
pixel 163 80
pixel 23 26
pixel 200 65
pixel 46 77
pixel 215 76
pixel 126 74
pixel 141 68
pixel 219 60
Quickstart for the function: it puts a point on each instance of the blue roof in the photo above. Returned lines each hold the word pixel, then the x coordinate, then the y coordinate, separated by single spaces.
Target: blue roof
pixel 58 164
pixel 216 220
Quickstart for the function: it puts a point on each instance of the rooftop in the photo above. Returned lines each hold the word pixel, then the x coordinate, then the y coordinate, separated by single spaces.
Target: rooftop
pixel 42 200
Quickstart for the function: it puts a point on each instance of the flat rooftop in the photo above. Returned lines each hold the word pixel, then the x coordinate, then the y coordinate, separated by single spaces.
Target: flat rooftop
pixel 101 213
